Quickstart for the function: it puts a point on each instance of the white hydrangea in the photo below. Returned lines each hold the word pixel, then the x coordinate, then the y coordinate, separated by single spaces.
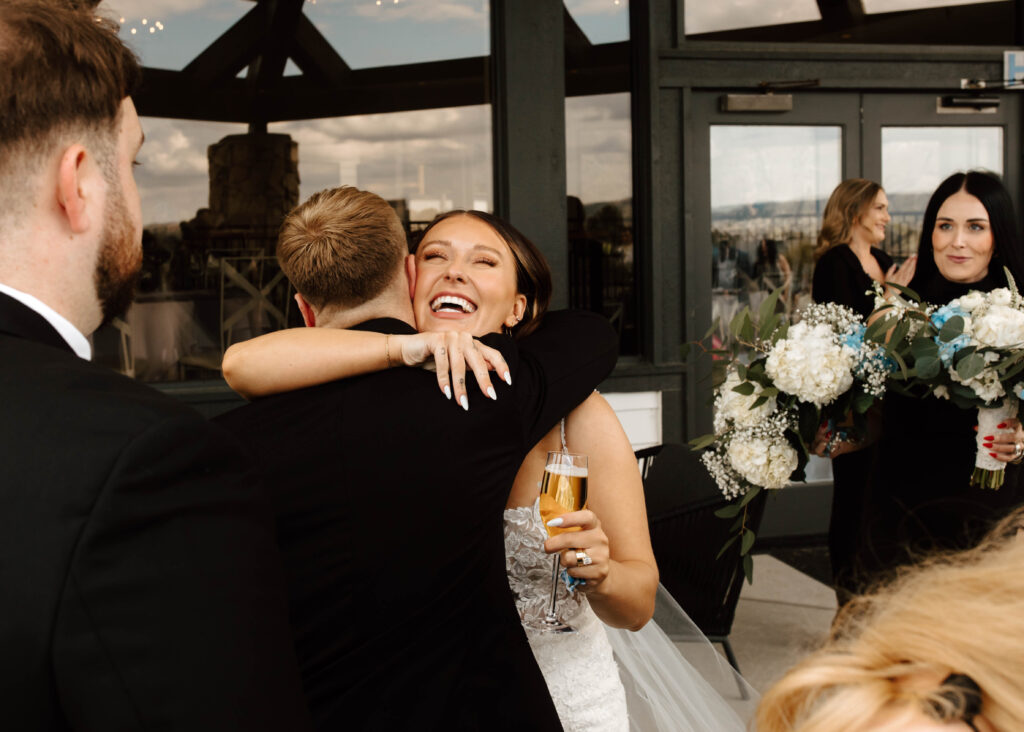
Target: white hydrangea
pixel 1000 327
pixel 811 364
pixel 763 461
pixel 732 407
pixel 986 384
pixel 970 302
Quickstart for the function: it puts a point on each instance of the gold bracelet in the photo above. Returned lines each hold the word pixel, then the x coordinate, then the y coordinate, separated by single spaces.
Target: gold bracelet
pixel 387 349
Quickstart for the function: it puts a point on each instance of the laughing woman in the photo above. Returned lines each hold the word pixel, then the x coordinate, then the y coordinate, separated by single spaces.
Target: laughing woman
pixel 476 274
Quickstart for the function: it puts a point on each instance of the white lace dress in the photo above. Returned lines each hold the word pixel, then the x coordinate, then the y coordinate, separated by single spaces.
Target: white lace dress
pixel 579 668
pixel 603 679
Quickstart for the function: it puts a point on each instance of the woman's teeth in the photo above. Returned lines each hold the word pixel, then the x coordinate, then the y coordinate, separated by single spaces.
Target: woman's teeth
pixel 452 303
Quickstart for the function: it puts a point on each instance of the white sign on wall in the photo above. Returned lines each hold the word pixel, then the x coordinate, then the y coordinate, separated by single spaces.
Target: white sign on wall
pixel 1013 69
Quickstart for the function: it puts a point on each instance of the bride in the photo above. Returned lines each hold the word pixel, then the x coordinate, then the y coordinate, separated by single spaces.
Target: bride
pixel 473 273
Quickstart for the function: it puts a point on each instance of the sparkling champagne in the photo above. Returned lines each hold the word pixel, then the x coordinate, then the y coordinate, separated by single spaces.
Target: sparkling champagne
pixel 564 489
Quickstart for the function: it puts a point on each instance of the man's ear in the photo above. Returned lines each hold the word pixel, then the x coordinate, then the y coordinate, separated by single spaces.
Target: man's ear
pixel 74 188
pixel 410 274
pixel 308 314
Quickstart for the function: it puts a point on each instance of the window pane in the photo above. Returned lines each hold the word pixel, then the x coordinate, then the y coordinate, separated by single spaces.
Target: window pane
pixel 769 185
pixel 168 34
pixel 916 159
pixel 605 21
pixel 707 17
pixel 209 275
pixel 432 161
pixel 368 33
pixel 599 172
pixel 890 6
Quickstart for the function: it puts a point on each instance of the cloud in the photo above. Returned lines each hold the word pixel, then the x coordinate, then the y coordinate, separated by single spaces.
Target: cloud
pixel 581 8
pixel 705 17
pixel 163 9
pixel 435 11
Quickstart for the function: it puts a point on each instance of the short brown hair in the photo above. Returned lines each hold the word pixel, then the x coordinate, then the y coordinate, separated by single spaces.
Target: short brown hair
pixel 341 247
pixel 846 204
pixel 63 70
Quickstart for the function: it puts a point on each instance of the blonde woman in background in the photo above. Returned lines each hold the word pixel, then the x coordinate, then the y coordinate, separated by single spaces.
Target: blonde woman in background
pixel 941 649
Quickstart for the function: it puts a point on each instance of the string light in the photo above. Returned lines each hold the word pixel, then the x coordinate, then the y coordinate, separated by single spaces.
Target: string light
pixel 154 26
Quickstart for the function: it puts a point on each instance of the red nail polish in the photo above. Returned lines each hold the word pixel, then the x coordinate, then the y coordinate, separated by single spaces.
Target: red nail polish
pixel 992 454
pixel 989 438
pixel 987 444
pixel 1001 426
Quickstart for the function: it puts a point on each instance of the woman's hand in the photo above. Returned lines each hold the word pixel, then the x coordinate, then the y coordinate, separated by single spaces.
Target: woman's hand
pixel 1007 444
pixel 452 352
pixel 901 274
pixel 590 540
pixel 824 446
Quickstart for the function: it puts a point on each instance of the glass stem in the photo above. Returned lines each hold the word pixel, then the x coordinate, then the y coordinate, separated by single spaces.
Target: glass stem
pixel 554 586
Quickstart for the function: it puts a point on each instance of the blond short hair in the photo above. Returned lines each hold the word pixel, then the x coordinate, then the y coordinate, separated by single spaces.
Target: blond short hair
pixel 341 247
pixel 959 613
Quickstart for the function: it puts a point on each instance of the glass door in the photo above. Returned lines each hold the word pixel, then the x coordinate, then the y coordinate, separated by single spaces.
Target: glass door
pixel 913 142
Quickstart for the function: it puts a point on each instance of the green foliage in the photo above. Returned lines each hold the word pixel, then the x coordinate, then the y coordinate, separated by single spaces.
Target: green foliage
pixel 951 329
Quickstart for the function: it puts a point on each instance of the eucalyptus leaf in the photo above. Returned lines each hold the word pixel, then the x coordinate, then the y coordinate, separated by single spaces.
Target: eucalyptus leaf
pixel 747 328
pixel 767 308
pixel 971 366
pixel 758 402
pixel 746 388
pixel 750 495
pixel 905 291
pixel 748 541
pixel 876 331
pixel 699 443
pixel 726 545
pixel 737 321
pixel 741 371
pixel 951 329
pixel 748 568
pixel 711 330
pixel 928 367
pixel 924 348
pixel 730 511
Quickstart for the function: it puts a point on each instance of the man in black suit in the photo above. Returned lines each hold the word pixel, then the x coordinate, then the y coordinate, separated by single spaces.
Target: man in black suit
pixel 389 497
pixel 140 584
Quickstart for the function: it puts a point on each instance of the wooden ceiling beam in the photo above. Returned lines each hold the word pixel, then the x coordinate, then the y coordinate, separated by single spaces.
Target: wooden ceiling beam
pixel 231 52
pixel 316 57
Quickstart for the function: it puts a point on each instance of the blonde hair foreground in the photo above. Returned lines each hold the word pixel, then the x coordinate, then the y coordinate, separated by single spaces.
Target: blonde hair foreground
pixel 959 613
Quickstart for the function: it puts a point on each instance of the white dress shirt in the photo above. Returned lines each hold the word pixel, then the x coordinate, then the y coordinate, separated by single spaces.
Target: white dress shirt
pixel 78 342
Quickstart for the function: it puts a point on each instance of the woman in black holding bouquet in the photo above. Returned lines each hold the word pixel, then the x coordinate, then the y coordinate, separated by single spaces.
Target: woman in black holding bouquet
pixel 919 495
pixel 849 263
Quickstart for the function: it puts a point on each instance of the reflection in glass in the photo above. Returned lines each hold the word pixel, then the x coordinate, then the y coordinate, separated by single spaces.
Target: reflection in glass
pixel 430 161
pixel 601 22
pixel 369 34
pixel 600 211
pixel 708 17
pixel 210 277
pixel 769 185
pixel 168 35
pixel 916 159
pixel 890 6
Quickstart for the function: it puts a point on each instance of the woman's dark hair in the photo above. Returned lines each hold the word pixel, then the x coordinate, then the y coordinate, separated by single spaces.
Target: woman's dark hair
pixel 533 276
pixel 767 253
pixel 988 189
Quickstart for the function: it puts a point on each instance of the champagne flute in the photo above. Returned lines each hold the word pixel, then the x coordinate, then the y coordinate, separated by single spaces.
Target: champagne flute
pixel 564 489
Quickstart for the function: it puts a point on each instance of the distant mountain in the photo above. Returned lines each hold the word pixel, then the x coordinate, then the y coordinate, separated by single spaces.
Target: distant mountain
pixel 899 203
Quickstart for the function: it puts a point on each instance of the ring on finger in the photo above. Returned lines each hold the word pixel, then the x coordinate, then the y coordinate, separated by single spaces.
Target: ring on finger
pixel 583 559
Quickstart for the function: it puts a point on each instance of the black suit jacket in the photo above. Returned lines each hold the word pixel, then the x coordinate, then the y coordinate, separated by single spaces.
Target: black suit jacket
pixel 389 501
pixel 140 585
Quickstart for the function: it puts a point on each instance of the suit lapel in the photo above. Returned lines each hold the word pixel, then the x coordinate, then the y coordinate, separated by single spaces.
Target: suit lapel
pixel 24 322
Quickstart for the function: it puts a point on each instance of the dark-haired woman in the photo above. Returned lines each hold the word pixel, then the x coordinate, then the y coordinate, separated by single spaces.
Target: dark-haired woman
pixel 919 495
pixel 849 263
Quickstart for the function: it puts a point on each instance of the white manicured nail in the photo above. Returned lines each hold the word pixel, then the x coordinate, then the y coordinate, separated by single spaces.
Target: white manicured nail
pixel 508 378
pixel 491 394
pixel 464 402
pixel 447 391
pixel 555 522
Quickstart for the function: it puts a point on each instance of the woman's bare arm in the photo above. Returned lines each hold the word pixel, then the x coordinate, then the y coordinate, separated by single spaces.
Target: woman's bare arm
pixel 623 581
pixel 299 357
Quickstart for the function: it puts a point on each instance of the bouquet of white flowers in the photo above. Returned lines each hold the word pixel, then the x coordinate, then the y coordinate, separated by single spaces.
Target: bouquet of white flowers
pixel 768 411
pixel 971 351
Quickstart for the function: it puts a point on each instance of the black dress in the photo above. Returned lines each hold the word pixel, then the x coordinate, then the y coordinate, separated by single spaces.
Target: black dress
pixel 919 498
pixel 839 278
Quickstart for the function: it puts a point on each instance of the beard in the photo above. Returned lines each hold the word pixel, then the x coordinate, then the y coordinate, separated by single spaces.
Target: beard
pixel 120 259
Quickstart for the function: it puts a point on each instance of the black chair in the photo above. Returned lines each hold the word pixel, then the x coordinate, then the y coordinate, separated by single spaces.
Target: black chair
pixel 681 502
